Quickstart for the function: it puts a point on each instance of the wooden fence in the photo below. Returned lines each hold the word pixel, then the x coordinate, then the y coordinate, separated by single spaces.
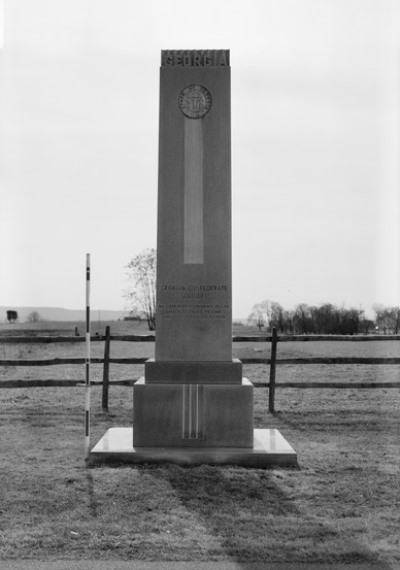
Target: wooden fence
pixel 272 361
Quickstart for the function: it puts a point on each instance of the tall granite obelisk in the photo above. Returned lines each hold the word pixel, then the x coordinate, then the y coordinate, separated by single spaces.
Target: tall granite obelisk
pixel 193 393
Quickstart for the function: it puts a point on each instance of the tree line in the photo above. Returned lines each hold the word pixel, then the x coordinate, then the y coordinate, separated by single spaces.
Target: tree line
pixel 323 319
pixel 304 319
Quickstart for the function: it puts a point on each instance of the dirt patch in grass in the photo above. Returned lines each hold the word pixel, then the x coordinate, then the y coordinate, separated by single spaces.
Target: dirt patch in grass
pixel 341 505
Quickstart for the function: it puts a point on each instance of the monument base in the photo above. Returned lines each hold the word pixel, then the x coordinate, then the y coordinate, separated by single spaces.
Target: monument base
pixel 270 448
pixel 193 415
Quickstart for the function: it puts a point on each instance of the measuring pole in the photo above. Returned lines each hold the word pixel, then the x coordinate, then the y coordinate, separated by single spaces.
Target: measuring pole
pixel 87 360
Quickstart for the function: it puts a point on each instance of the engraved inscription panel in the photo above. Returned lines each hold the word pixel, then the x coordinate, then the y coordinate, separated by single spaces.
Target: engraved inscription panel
pixel 195 302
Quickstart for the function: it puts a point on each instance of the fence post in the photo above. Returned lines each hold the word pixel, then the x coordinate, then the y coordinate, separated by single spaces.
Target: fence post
pixel 87 361
pixel 106 369
pixel 271 394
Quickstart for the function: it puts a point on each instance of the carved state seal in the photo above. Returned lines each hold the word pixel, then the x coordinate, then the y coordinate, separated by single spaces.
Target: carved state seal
pixel 194 101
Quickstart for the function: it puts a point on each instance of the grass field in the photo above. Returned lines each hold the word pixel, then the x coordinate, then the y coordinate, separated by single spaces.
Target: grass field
pixel 341 505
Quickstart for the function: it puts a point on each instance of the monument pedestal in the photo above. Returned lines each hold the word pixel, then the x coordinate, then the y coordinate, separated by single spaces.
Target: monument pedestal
pixel 194 424
pixel 269 448
pixel 193 415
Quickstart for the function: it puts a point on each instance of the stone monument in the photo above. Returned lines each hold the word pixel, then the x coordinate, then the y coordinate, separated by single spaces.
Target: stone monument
pixel 193 405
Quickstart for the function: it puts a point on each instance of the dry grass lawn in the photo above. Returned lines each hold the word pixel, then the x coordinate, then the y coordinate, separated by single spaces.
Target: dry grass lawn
pixel 341 505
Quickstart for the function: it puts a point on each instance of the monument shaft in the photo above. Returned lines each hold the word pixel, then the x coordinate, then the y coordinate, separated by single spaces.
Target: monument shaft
pixel 194 283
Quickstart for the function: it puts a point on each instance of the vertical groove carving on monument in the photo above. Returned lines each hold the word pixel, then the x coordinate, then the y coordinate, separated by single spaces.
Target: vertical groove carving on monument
pixel 193 192
pixel 194 102
pixel 192 411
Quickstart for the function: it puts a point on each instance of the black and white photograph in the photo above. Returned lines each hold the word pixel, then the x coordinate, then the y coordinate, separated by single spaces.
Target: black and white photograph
pixel 199 285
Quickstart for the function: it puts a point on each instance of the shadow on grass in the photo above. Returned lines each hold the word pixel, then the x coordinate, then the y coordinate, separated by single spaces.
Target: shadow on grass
pixel 235 506
pixel 252 518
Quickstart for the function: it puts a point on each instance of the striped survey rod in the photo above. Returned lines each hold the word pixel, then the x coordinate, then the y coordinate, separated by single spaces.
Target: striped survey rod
pixel 87 360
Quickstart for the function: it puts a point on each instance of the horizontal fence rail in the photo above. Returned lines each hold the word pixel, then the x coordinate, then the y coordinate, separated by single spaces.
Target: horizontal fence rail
pixel 74 339
pixel 322 385
pixel 318 360
pixel 58 361
pixel 152 338
pixel 274 339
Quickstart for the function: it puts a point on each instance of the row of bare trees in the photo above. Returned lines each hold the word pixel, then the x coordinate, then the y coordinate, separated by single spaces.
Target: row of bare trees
pixel 323 319
pixel 304 319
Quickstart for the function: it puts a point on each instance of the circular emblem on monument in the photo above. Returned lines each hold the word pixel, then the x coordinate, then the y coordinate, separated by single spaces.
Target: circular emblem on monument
pixel 194 101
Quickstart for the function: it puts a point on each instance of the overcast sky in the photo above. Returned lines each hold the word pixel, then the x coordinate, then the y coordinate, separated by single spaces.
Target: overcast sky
pixel 315 145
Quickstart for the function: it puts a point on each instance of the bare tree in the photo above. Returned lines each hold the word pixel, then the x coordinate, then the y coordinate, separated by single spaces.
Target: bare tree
pixel 268 314
pixel 141 295
pixel 302 319
pixel 257 316
pixel 387 318
pixel 366 325
pixel 33 317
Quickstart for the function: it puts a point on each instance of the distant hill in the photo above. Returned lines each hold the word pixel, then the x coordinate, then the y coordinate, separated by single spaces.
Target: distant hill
pixel 59 314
